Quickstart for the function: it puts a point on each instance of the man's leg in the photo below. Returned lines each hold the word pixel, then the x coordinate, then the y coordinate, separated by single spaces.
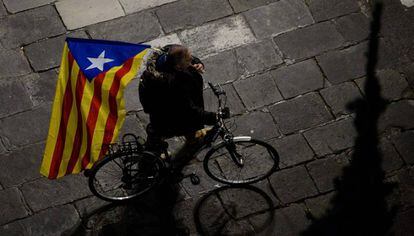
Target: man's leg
pixel 155 141
pixel 193 141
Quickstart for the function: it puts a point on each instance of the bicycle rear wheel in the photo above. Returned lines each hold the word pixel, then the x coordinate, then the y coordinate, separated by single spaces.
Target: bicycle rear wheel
pixel 257 160
pixel 123 176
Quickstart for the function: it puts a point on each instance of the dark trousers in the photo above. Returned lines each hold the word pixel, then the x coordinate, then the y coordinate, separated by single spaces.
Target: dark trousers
pixel 156 143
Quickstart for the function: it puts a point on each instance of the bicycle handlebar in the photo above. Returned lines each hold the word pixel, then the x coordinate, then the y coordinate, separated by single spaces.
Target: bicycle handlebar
pixel 215 90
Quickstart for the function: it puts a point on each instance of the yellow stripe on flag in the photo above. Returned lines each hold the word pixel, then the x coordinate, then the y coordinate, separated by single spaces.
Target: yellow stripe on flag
pixel 56 113
pixel 72 124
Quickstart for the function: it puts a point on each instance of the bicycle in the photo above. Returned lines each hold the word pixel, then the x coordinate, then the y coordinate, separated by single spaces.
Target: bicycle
pixel 128 170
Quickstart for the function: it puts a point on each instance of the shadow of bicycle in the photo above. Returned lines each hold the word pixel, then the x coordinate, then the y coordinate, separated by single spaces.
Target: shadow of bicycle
pixel 234 210
pixel 150 214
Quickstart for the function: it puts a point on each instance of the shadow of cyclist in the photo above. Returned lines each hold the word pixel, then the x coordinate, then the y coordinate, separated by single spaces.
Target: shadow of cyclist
pixel 359 206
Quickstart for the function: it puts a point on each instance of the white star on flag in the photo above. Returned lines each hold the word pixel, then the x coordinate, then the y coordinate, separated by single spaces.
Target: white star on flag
pixel 99 61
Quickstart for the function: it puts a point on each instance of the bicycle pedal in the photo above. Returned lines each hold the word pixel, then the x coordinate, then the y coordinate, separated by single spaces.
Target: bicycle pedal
pixel 87 173
pixel 195 180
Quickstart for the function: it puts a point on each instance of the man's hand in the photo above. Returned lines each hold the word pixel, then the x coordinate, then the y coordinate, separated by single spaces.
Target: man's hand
pixel 199 67
pixel 225 113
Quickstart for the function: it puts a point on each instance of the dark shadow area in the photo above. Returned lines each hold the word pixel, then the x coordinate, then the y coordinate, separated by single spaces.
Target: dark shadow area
pixel 359 206
pixel 231 210
pixel 150 214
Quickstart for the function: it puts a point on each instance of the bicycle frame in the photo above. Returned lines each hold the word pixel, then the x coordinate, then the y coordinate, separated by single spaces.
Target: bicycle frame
pixel 220 130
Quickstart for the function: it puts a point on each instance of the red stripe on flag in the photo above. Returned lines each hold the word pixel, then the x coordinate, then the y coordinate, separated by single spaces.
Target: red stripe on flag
pixel 93 117
pixel 60 142
pixel 113 107
pixel 80 85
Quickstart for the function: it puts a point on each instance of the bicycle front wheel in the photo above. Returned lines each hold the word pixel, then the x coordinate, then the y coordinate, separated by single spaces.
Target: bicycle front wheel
pixel 241 161
pixel 124 176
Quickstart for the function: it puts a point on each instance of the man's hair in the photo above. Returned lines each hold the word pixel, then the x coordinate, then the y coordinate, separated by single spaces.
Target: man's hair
pixel 176 54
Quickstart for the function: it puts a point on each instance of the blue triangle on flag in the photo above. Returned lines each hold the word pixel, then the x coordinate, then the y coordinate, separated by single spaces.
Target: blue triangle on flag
pixel 98 56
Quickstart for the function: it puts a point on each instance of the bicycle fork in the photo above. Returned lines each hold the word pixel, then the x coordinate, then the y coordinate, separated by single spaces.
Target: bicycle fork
pixel 235 156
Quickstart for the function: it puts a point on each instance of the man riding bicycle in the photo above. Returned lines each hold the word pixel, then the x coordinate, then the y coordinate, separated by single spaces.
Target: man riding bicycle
pixel 171 92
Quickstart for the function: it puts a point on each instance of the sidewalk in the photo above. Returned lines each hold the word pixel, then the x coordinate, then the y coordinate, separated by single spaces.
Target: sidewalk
pixel 289 67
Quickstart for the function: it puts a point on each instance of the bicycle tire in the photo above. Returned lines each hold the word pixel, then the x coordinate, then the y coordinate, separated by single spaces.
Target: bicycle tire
pixel 225 164
pixel 120 185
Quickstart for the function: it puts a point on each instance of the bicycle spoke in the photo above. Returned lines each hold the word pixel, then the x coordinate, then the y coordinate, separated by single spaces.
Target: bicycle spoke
pixel 258 162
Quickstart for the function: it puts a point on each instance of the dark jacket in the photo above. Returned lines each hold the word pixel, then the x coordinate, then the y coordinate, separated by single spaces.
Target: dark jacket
pixel 173 99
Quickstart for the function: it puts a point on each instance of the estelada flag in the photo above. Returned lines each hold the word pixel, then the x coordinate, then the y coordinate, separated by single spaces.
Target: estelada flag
pixel 88 109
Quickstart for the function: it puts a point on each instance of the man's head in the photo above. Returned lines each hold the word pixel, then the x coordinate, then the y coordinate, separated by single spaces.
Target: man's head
pixel 179 57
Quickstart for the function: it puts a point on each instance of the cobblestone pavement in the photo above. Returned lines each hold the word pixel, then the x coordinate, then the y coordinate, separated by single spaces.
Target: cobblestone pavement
pixel 290 68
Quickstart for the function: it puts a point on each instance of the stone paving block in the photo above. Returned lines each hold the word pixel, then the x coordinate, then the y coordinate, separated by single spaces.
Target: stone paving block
pixel 390 158
pixel 266 187
pixel 392 55
pixel 319 205
pixel 13 63
pixel 131 6
pixel 11 205
pixel 309 41
pixel 44 193
pixel 27 127
pixel 291 220
pixel 132 102
pixel 353 27
pixel 3 11
pixel 42 86
pixel 78 13
pixel 164 40
pixel 29 26
pixel 300 113
pixel 278 17
pixel 21 165
pixel 221 68
pixel 217 36
pixel 2 150
pixel 233 101
pixel 293 184
pixel 256 124
pixel 326 171
pixel 405 180
pixel 404 144
pixel 143 118
pixel 257 57
pixel 184 214
pixel 298 79
pixel 258 91
pixel 408 72
pixel 343 65
pixel 244 5
pixel 16 6
pixel 327 9
pixel 136 28
pixel 393 85
pixel 132 125
pixel 88 206
pixel 14 97
pixel 191 13
pixel 403 223
pixel 47 54
pixel 61 220
pixel 333 137
pixel 292 150
pixel 392 116
pixel 339 96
